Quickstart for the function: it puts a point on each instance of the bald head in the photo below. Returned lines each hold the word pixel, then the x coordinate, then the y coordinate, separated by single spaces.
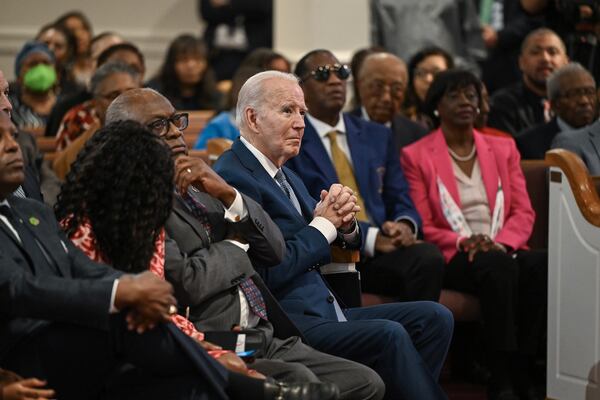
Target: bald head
pixel 140 105
pixel 382 85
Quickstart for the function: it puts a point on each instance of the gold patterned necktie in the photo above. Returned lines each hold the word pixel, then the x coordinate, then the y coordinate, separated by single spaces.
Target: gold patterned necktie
pixel 346 174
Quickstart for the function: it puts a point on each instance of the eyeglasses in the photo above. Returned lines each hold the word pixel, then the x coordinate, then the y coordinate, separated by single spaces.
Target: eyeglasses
pixel 160 126
pixel 321 73
pixel 576 93
pixel 378 87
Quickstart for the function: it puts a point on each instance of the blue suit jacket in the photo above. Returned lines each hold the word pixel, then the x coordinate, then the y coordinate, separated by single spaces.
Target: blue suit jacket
pixel 296 282
pixel 377 170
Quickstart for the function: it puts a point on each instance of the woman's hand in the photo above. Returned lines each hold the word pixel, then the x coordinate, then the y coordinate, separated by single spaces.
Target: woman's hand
pixel 479 243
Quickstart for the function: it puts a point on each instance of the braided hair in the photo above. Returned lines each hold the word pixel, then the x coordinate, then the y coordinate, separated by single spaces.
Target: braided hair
pixel 122 183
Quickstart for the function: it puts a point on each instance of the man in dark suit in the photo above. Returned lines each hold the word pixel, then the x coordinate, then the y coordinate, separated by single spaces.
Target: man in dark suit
pixel 381 85
pixel 573 98
pixel 211 263
pixel 405 343
pixel 362 155
pixel 39 177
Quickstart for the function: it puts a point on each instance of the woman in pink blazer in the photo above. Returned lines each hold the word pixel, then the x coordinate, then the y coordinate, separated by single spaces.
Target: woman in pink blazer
pixel 470 191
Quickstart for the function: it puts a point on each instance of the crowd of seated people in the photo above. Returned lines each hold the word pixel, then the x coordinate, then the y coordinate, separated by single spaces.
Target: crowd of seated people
pixel 194 282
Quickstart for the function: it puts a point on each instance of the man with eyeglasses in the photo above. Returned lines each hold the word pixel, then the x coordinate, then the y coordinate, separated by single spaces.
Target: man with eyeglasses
pixel 382 84
pixel 339 147
pixel 574 103
pixel 219 235
pixel 585 141
pixel 108 82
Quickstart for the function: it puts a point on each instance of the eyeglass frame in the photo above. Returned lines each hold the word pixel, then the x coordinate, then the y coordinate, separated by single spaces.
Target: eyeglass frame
pixel 326 71
pixel 575 93
pixel 166 122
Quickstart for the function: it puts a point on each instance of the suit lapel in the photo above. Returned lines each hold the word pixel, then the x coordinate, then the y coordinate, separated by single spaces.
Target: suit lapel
pixel 252 164
pixel 360 160
pixel 313 148
pixel 443 165
pixel 489 169
pixel 180 208
pixel 595 140
pixel 40 238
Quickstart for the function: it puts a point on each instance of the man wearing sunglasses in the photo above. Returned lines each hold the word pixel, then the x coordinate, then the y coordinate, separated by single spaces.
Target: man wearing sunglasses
pixel 339 147
pixel 218 236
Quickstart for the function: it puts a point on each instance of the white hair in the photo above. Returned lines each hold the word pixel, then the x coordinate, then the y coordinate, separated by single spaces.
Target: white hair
pixel 253 96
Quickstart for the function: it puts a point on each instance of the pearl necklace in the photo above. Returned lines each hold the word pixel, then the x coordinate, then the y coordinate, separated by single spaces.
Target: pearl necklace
pixel 466 158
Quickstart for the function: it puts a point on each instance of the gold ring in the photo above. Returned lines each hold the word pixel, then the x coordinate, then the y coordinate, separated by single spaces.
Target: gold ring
pixel 188 170
pixel 172 310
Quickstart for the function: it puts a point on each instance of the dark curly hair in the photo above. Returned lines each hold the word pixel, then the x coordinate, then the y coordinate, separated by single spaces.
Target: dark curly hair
pixel 122 183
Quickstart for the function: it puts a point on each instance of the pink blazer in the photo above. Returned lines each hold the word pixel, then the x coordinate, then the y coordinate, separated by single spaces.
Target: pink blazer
pixel 428 158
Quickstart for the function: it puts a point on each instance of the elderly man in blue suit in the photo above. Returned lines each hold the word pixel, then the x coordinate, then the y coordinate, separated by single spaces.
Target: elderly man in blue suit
pixel 405 343
pixel 340 147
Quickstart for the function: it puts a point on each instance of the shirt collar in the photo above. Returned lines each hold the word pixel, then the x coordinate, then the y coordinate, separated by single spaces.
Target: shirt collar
pixel 365 115
pixel 4 203
pixel 267 164
pixel 323 128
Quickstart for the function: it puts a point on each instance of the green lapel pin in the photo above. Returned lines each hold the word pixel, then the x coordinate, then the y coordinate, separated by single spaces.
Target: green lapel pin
pixel 34 221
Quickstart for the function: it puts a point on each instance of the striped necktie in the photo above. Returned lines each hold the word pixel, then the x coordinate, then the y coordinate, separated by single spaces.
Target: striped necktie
pixel 287 189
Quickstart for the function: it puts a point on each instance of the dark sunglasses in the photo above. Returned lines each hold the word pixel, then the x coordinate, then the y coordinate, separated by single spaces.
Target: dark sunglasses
pixel 321 73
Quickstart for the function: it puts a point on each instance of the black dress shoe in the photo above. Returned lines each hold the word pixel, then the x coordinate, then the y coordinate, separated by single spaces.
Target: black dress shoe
pixel 301 391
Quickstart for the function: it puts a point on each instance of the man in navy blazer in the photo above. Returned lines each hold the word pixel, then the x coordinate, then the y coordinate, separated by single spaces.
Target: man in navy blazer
pixel 394 263
pixel 404 343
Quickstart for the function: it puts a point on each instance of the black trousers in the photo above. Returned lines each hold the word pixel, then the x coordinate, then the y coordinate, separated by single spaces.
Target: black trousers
pixel 78 362
pixel 512 290
pixel 407 274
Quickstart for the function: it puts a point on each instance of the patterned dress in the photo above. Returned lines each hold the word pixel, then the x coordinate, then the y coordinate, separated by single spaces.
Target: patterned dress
pixel 84 239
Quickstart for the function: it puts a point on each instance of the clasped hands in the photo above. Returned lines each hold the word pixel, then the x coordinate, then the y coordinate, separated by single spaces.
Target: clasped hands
pixel 338 206
pixel 479 243
pixel 393 235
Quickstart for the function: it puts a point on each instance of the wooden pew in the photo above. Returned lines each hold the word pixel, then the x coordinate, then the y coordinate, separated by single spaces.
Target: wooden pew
pixel 573 367
pixel 197 122
pixel 46 144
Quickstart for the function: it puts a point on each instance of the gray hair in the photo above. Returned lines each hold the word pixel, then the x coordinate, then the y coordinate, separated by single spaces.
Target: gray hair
pixel 252 94
pixel 553 82
pixel 108 69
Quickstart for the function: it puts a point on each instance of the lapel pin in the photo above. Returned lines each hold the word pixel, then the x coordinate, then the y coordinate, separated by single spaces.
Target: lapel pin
pixel 34 221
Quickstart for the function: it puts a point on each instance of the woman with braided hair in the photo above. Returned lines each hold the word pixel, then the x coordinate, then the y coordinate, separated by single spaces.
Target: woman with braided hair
pixel 114 205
